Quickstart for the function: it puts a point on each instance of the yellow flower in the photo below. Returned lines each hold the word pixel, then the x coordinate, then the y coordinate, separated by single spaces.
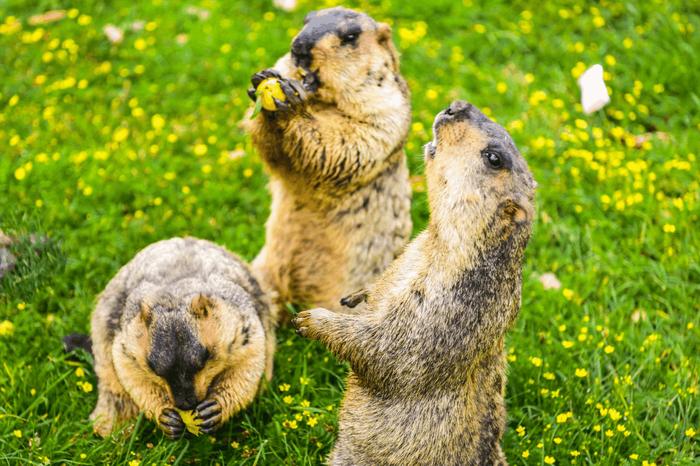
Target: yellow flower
pixel 574 453
pixel 120 134
pixel 17 433
pixel 581 372
pixel 248 172
pixel 634 456
pixel 200 149
pixel 87 387
pixel 548 376
pixel 614 414
pixel 520 430
pixel 157 121
pixel 669 228
pixel 312 421
pixel 537 362
pixel 140 44
pixel 549 460
pixel 284 387
pixel 479 28
pixel 290 424
pixel 20 174
pixel 609 349
pixel 567 344
pixel 501 87
pixel 526 453
pixel 568 294
pixel 305 404
pixel 562 418
pixel 84 20
pixel 79 372
pixel 690 432
pixel 6 328
pixel 288 399
pixel 304 380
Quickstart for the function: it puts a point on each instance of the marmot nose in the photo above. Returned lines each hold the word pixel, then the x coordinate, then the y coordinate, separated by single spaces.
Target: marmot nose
pixel 458 107
pixel 301 52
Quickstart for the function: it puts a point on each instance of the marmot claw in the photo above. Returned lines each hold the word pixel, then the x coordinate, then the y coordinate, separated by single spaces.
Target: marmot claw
pixel 209 411
pixel 260 76
pixel 171 423
pixel 354 299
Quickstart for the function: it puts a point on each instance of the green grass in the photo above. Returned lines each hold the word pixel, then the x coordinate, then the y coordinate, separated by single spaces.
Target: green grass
pixel 617 224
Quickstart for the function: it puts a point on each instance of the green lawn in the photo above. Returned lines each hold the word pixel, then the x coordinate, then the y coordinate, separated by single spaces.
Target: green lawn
pixel 107 148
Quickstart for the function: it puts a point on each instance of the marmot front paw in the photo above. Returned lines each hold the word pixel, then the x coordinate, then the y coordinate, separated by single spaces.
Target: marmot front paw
pixel 171 423
pixel 309 322
pixel 209 411
pixel 293 90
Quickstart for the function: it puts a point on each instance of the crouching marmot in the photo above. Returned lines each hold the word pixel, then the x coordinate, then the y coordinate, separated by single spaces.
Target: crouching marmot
pixel 428 362
pixel 184 325
pixel 334 151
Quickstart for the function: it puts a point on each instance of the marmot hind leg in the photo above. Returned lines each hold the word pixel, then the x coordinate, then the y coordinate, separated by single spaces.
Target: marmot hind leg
pixel 111 410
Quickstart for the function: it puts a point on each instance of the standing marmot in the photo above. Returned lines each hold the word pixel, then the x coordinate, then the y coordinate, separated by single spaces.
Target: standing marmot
pixel 428 362
pixel 183 325
pixel 334 149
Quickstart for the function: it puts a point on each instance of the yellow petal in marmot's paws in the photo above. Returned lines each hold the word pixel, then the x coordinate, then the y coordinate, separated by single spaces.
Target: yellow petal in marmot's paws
pixel 268 91
pixel 190 420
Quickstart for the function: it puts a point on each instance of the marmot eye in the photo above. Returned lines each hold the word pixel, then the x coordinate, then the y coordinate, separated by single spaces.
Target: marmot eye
pixel 349 38
pixel 494 159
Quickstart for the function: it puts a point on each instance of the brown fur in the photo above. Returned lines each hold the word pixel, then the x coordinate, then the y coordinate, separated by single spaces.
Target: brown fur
pixel 338 176
pixel 173 287
pixel 428 363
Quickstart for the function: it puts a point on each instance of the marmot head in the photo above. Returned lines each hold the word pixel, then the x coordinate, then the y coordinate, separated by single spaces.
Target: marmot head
pixel 343 49
pixel 189 342
pixel 475 173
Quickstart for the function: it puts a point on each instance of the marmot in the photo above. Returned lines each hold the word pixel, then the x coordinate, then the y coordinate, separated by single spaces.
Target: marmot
pixel 183 325
pixel 339 181
pixel 427 356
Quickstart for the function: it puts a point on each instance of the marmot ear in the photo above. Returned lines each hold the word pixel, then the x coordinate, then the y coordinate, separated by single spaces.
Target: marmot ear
pixel 146 313
pixel 309 16
pixel 385 40
pixel 201 306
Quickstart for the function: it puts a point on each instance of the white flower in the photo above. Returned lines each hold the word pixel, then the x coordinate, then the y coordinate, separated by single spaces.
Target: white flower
pixel 113 33
pixel 549 281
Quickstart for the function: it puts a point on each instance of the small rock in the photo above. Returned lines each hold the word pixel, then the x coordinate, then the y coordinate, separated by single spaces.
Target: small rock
pixel 550 281
pixel 7 262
